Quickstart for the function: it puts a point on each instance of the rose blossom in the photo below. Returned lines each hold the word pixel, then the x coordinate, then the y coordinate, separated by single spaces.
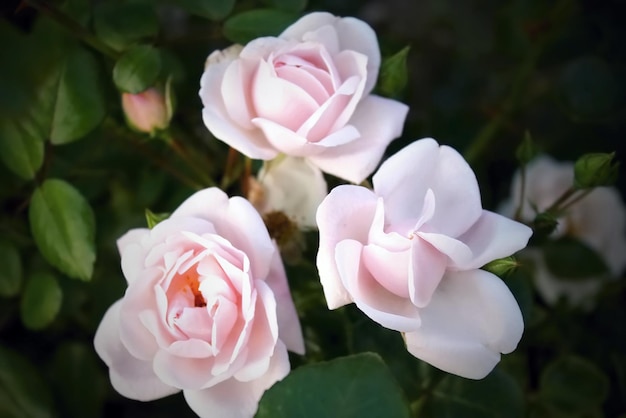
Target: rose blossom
pixel 305 93
pixel 408 254
pixel 207 310
pixel 147 111
pixel 598 220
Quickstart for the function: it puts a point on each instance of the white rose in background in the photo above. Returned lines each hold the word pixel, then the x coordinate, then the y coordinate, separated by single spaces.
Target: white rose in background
pixel 290 185
pixel 408 255
pixel 207 310
pixel 598 220
pixel 306 94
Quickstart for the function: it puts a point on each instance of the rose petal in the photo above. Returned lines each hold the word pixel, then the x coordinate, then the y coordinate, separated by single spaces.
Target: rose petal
pixel 493 236
pixel 236 220
pixel 250 142
pixel 131 377
pixel 234 399
pixel 346 213
pixel 471 319
pixel 382 306
pixel 289 330
pixel 130 243
pixel 404 178
pixel 352 34
pixel 426 269
pixel 379 121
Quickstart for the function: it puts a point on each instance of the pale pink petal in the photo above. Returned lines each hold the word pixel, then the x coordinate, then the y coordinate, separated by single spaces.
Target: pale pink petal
pixel 250 142
pixel 404 178
pixel 263 335
pixel 132 252
pixel 426 269
pixel 289 330
pixel 236 220
pixel 455 249
pixel 185 372
pixel 283 139
pixel 389 268
pixel 280 101
pixel 234 399
pixel 353 34
pixel 191 348
pixel 346 213
pixel 493 236
pixel 131 377
pixel 295 187
pixel 235 89
pixel 389 310
pixel 324 121
pixel 139 297
pixel 306 80
pixel 471 319
pixel 379 121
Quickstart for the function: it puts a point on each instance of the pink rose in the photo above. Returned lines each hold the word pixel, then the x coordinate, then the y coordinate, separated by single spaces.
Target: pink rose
pixel 207 310
pixel 408 254
pixel 306 94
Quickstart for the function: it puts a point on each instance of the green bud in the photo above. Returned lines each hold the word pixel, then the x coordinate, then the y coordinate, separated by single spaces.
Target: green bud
pixel 593 170
pixel 527 150
pixel 152 219
pixel 502 267
pixel 393 74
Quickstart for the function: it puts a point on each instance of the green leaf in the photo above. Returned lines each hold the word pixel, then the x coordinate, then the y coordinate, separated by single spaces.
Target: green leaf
pixel 570 259
pixel 79 105
pixel 289 5
pixel 251 24
pixel 152 219
pixel 573 386
pixel 497 395
pixel 11 271
pixel 41 301
pixel 74 364
pixel 211 9
pixel 355 386
pixel 23 393
pixel 21 147
pixel 394 74
pixel 138 69
pixel 63 226
pixel 121 25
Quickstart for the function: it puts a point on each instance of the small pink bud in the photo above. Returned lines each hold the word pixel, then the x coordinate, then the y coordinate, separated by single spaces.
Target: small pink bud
pixel 146 111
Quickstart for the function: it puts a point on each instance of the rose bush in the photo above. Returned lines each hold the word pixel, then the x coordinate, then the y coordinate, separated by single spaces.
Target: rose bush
pixel 598 220
pixel 305 93
pixel 408 255
pixel 207 310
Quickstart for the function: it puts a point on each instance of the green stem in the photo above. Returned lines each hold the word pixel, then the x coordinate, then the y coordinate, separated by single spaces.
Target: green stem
pixel 556 206
pixel 72 26
pixel 576 199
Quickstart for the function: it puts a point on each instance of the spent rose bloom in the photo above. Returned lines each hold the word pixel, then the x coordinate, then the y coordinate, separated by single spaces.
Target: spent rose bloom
pixel 291 185
pixel 598 220
pixel 305 93
pixel 408 255
pixel 207 310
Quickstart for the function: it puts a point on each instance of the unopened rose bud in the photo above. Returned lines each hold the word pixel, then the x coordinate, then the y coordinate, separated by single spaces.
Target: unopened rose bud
pixel 502 266
pixel 147 111
pixel 594 170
